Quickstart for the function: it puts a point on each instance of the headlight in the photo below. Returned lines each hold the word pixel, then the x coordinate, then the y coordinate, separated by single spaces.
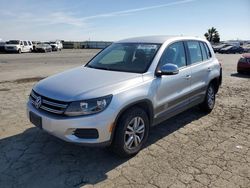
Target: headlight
pixel 87 107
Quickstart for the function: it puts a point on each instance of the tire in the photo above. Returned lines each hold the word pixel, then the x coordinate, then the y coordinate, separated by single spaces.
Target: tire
pixel 19 51
pixel 240 72
pixel 208 104
pixel 132 127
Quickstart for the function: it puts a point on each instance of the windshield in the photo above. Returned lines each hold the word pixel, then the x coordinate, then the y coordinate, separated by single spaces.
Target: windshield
pixel 42 44
pixel 14 42
pixel 125 57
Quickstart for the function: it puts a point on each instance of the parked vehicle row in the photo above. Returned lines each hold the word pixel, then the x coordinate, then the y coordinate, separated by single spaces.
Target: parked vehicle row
pixel 229 49
pixel 21 46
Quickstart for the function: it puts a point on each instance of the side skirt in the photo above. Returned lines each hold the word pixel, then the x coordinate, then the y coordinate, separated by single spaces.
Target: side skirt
pixel 178 109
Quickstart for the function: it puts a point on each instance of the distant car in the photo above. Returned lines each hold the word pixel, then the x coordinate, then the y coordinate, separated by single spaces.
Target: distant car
pixel 218 47
pixel 56 45
pixel 2 44
pixel 244 63
pixel 35 43
pixel 18 46
pixel 43 47
pixel 247 48
pixel 231 50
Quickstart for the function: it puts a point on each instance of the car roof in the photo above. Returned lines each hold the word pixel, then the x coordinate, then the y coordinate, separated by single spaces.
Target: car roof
pixel 157 39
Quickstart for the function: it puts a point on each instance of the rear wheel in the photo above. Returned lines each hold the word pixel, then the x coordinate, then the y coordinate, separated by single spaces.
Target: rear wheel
pixel 19 51
pixel 208 104
pixel 131 132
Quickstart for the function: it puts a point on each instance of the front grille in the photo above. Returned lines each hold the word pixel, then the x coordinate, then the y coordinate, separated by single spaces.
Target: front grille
pixel 47 104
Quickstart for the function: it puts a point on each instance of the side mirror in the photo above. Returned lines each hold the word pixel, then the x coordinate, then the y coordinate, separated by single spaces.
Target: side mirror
pixel 168 69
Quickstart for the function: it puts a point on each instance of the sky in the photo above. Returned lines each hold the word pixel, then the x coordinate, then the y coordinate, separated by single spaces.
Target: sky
pixel 111 20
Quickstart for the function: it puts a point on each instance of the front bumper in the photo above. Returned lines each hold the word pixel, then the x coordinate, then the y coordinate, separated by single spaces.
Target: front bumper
pixel 64 127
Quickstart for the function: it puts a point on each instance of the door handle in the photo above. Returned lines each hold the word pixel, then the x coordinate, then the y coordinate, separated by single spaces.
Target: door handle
pixel 188 77
pixel 209 69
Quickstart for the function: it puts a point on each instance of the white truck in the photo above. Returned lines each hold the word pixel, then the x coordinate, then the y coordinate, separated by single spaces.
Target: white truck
pixel 56 45
pixel 18 46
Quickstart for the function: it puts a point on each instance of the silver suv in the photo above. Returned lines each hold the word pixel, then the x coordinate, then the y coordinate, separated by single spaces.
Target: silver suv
pixel 126 88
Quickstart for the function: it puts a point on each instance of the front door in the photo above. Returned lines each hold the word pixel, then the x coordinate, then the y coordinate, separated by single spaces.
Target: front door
pixel 172 91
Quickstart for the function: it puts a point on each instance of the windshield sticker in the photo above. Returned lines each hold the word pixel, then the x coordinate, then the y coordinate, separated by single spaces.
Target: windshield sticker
pixel 147 46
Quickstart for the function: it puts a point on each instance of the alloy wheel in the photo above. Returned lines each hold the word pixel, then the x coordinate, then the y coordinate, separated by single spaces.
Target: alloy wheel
pixel 134 133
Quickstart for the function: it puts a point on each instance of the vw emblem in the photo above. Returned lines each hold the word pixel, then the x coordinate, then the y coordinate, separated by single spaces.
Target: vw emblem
pixel 38 102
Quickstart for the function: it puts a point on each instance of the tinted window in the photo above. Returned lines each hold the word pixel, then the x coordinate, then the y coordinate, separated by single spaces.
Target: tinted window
pixel 203 51
pixel 207 50
pixel 127 57
pixel 174 54
pixel 194 51
pixel 113 56
pixel 25 43
pixel 29 42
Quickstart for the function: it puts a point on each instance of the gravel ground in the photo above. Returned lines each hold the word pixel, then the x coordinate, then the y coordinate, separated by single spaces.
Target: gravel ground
pixel 189 150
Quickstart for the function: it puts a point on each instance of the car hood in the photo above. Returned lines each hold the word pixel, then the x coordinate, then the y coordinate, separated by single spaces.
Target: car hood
pixel 41 46
pixel 246 55
pixel 84 83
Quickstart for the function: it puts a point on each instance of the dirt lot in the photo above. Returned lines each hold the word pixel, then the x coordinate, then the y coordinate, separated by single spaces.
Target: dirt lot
pixel 190 150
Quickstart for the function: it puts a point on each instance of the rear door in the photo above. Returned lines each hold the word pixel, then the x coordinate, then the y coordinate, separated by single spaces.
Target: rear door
pixel 172 91
pixel 200 62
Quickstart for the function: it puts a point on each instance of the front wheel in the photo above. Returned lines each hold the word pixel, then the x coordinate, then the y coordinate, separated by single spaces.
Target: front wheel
pixel 131 132
pixel 208 104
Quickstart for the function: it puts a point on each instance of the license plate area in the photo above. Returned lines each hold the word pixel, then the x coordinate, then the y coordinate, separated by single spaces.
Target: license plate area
pixel 36 120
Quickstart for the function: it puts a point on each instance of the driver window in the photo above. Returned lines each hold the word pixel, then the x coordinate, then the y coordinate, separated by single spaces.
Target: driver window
pixel 174 54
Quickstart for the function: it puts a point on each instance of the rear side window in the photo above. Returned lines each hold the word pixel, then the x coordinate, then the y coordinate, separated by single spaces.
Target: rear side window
pixel 29 42
pixel 203 51
pixel 208 51
pixel 25 43
pixel 174 54
pixel 194 51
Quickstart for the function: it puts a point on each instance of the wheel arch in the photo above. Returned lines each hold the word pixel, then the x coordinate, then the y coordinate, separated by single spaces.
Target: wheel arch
pixel 216 83
pixel 144 104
